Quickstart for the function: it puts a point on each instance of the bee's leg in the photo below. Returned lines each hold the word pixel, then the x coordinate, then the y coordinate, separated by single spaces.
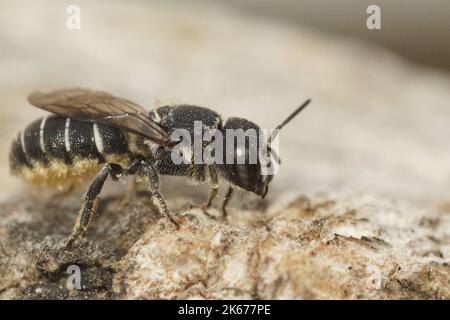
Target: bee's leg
pixel 205 206
pixel 213 181
pixel 91 198
pixel 211 197
pixel 225 201
pixel 149 173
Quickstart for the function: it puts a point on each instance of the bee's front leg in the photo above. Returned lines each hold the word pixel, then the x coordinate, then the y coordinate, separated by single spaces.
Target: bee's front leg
pixel 212 195
pixel 226 199
pixel 213 181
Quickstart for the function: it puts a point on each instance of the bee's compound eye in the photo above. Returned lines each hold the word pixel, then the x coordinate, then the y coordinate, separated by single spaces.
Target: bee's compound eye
pixel 245 176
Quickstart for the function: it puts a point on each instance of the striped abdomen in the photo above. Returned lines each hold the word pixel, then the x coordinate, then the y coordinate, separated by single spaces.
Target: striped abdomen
pixel 62 152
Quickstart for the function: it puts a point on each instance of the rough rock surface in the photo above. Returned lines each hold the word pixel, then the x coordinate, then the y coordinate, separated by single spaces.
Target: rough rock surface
pixel 313 248
pixel 359 209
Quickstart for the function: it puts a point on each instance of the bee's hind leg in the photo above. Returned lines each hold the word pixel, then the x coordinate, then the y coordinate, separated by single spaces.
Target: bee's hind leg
pixel 91 199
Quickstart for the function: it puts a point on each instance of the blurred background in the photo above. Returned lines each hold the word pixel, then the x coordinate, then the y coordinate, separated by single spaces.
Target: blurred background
pixel 418 30
pixel 379 121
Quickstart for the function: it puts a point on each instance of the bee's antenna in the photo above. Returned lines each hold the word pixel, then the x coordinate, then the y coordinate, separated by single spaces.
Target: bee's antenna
pixel 288 119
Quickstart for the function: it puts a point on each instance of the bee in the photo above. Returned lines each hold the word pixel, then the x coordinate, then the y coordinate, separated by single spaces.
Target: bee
pixel 93 134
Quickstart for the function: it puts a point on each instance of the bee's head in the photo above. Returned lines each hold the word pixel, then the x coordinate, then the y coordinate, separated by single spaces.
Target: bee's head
pixel 244 165
pixel 241 158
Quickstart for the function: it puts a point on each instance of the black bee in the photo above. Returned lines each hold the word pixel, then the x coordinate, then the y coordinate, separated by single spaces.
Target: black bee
pixel 93 134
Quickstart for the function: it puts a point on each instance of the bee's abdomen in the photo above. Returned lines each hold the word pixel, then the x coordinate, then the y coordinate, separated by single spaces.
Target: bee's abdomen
pixel 61 152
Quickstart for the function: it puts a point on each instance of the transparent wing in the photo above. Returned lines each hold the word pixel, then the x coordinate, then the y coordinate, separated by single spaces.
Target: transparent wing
pixel 101 107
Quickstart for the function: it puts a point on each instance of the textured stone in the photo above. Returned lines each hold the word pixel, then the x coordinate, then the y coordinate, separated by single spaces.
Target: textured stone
pixel 321 248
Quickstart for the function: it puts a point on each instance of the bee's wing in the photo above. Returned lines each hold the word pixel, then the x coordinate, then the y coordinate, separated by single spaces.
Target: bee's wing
pixel 100 107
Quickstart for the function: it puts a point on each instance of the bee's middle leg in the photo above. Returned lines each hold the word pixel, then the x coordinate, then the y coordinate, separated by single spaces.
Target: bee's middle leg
pixel 91 199
pixel 150 175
